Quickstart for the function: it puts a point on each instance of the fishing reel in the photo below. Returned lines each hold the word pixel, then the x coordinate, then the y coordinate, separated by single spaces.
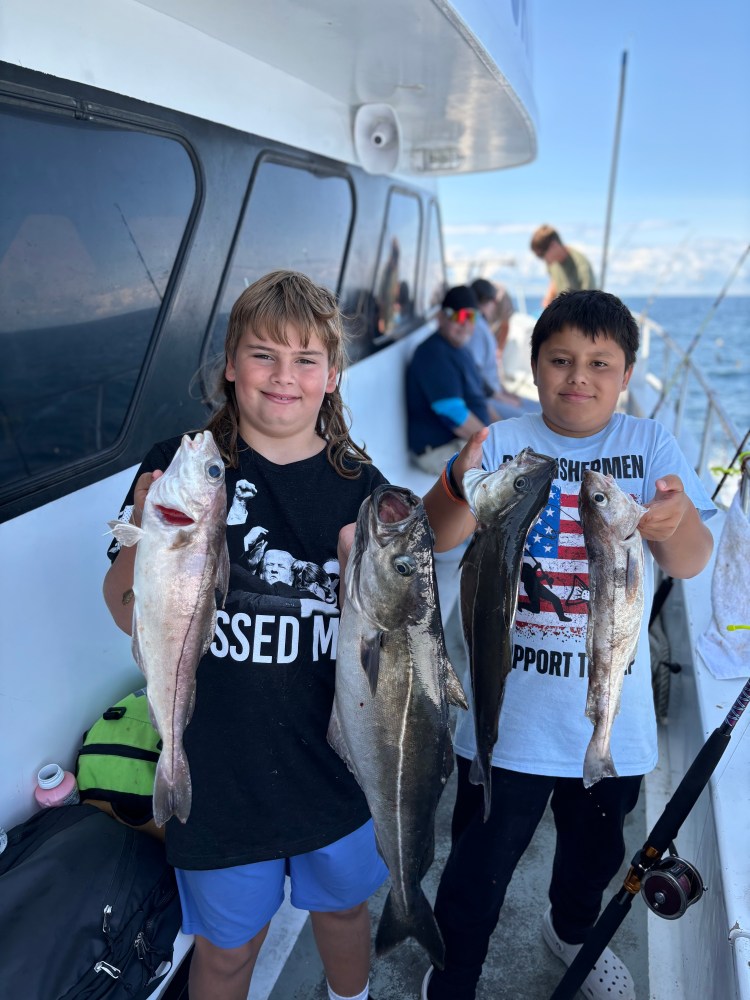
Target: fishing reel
pixel 671 886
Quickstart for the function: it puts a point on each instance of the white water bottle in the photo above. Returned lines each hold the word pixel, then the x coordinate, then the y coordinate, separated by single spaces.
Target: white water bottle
pixel 3 840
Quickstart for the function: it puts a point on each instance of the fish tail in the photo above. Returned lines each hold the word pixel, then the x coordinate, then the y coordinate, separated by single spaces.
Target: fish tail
pixel 420 924
pixel 597 764
pixel 173 789
pixel 479 774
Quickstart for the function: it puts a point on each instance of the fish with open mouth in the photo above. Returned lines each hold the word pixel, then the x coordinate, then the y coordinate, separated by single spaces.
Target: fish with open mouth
pixel 181 563
pixel 394 682
pixel 506 503
pixel 609 518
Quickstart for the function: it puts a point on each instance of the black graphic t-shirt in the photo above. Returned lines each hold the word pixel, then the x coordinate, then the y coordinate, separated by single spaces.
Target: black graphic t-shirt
pixel 266 784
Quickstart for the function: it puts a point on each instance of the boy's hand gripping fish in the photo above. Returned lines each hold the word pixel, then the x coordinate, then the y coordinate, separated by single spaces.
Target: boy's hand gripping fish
pixel 614 547
pixel 390 714
pixel 506 503
pixel 180 563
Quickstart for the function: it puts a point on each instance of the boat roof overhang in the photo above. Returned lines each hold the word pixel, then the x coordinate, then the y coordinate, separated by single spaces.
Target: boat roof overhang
pixel 457 110
pixel 456 76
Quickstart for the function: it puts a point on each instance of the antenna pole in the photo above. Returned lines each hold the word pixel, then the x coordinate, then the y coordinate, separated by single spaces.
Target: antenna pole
pixel 613 169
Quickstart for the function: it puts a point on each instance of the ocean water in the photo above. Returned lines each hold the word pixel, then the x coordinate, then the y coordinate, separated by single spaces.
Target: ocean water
pixel 722 352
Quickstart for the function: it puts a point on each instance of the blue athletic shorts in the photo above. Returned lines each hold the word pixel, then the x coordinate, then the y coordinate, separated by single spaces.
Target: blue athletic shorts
pixel 229 906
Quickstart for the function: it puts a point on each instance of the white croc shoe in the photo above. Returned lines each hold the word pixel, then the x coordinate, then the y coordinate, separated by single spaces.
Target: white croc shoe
pixel 425 983
pixel 608 980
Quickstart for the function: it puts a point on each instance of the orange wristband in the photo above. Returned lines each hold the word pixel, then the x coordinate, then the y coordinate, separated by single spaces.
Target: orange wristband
pixel 449 491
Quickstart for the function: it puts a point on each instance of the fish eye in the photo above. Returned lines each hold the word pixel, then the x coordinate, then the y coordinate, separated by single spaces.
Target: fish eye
pixel 521 483
pixel 404 565
pixel 599 498
pixel 214 472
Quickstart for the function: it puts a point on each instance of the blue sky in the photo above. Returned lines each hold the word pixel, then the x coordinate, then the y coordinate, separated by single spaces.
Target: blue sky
pixel 682 205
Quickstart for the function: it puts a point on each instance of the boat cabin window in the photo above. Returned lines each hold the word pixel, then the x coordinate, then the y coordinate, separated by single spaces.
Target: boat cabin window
pixel 434 285
pixel 296 217
pixel 93 217
pixel 396 280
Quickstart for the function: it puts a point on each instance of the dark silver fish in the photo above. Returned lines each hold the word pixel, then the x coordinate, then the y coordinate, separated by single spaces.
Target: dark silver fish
pixel 390 714
pixel 506 503
pixel 180 563
pixel 614 547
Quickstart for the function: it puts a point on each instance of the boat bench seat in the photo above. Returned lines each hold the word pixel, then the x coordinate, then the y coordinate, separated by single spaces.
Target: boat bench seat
pixel 376 397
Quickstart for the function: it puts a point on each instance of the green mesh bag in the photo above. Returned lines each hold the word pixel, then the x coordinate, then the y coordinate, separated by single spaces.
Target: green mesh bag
pixel 117 761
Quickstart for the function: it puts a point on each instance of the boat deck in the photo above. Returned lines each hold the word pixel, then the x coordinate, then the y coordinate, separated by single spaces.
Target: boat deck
pixel 519 965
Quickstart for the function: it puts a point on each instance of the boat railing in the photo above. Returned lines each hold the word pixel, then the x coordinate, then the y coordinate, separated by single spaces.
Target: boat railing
pixel 745 486
pixel 674 377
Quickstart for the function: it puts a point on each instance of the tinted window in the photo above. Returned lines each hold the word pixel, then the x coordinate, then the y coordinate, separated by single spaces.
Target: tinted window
pixel 434 287
pixel 396 281
pixel 296 218
pixel 92 221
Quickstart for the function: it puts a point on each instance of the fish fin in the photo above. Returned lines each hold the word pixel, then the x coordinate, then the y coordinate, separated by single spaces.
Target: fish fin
pixel 377 844
pixel 191 707
pixel 173 792
pixel 210 633
pixel 466 558
pixel 453 687
pixel 479 774
pixel 135 647
pixel 590 622
pixel 126 534
pixel 369 654
pixel 597 765
pixel 222 577
pixel 336 738
pixel 633 573
pixel 420 924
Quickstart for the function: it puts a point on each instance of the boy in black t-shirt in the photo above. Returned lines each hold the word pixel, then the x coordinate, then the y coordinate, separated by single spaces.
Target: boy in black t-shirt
pixel 269 793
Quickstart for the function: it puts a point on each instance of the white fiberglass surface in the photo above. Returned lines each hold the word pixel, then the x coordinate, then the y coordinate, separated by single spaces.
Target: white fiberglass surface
pixel 63 660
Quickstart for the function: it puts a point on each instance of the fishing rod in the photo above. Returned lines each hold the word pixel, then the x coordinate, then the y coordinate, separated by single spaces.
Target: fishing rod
pixel 728 470
pixel 699 332
pixel 669 887
pixel 613 168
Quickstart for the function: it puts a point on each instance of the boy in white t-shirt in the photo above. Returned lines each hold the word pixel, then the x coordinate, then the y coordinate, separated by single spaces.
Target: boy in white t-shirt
pixel 582 352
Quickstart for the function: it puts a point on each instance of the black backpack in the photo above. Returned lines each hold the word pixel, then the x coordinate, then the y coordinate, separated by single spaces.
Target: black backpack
pixel 88 908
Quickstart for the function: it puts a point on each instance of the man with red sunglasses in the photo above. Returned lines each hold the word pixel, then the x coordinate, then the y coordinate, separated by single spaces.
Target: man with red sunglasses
pixel 445 395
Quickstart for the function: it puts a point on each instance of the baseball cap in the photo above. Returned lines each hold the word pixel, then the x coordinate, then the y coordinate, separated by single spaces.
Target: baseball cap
pixel 460 297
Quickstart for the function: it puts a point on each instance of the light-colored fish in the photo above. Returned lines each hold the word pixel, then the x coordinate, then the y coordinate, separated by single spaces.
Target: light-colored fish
pixel 181 562
pixel 614 547
pixel 390 715
pixel 506 503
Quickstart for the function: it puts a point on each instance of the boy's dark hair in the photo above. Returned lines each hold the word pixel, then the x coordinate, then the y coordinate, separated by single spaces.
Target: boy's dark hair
pixel 595 314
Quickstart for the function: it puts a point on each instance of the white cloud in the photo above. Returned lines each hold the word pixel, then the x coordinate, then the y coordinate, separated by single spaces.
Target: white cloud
pixel 490 229
pixel 650 256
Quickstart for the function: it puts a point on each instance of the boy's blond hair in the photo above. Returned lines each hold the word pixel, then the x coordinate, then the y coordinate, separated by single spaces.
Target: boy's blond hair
pixel 267 307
